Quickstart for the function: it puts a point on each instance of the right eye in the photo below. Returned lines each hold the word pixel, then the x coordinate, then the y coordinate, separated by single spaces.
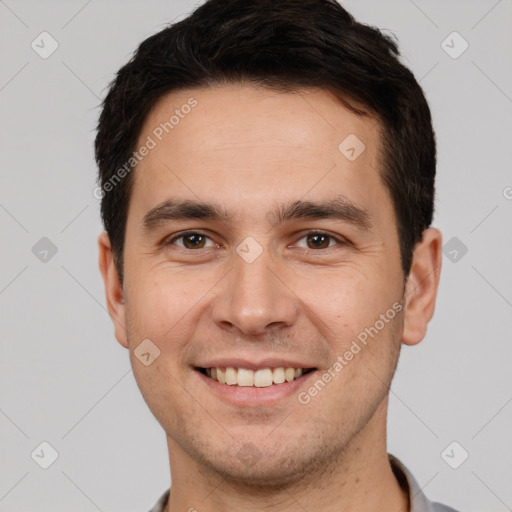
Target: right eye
pixel 192 240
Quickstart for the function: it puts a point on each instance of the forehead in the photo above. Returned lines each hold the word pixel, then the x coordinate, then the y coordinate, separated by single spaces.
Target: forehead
pixel 252 146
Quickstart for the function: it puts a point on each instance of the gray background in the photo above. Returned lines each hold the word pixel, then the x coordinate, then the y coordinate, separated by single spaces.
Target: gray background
pixel 63 377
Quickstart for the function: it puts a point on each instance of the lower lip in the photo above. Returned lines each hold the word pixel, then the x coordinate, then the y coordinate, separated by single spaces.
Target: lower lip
pixel 251 396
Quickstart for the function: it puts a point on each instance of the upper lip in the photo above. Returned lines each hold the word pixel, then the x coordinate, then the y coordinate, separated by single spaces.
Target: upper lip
pixel 254 364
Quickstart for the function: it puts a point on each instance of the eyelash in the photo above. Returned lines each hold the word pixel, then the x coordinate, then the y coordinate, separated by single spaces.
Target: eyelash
pixel 170 241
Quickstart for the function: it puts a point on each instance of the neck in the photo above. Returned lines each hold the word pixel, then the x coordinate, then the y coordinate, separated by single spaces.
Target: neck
pixel 359 478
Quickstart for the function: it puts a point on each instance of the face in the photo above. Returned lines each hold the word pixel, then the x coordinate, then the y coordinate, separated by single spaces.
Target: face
pixel 258 248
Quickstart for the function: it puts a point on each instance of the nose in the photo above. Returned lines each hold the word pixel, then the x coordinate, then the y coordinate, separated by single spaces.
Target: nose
pixel 254 299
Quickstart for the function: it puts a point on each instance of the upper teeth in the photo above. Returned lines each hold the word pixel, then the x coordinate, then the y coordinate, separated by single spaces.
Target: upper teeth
pixel 260 378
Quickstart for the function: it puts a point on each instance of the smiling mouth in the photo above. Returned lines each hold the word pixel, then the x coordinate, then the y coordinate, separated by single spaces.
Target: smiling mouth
pixel 262 378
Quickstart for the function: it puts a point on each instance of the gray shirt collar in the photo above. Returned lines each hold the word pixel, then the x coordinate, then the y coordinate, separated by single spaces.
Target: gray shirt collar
pixel 418 500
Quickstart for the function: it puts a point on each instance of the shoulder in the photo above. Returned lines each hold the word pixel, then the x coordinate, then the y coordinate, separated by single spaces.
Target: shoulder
pixel 439 507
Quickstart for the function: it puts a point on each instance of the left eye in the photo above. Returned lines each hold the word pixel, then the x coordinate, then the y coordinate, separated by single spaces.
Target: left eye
pixel 319 240
pixel 314 240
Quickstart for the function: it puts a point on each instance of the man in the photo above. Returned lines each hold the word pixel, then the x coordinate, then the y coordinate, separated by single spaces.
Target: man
pixel 267 180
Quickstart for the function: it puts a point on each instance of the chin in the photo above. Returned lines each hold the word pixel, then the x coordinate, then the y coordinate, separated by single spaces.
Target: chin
pixel 264 474
pixel 276 466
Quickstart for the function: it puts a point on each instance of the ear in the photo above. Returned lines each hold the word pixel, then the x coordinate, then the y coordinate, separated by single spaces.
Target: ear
pixel 113 288
pixel 422 285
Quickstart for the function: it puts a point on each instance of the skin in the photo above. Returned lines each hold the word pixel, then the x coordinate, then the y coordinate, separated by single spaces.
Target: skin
pixel 247 149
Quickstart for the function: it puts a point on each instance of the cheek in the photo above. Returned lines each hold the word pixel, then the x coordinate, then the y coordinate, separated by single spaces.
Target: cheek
pixel 159 388
pixel 343 304
pixel 165 301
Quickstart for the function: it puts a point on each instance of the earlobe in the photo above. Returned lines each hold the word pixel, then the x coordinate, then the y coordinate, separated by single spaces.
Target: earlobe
pixel 113 289
pixel 422 285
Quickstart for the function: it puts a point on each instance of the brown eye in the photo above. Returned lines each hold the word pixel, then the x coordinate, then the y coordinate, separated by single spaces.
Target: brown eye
pixel 190 241
pixel 193 241
pixel 318 240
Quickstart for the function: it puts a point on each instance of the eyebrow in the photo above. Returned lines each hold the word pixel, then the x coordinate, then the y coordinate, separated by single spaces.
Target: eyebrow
pixel 339 208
